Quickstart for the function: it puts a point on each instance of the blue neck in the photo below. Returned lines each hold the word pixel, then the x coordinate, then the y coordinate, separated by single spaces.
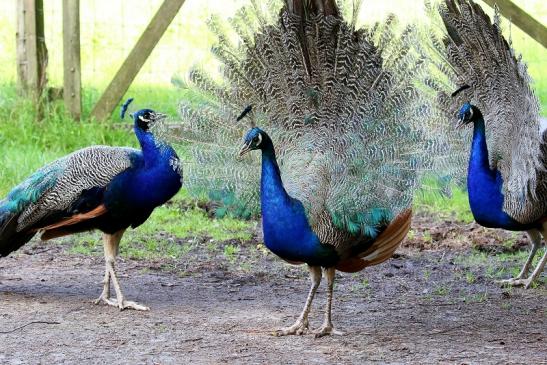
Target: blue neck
pixel 287 232
pixel 485 185
pixel 150 148
pixel 478 161
pixel 271 185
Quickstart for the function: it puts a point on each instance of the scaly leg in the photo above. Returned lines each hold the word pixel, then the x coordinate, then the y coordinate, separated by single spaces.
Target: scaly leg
pixel 105 295
pixel 301 325
pixel 535 237
pixel 327 328
pixel 537 271
pixel 111 246
pixel 540 266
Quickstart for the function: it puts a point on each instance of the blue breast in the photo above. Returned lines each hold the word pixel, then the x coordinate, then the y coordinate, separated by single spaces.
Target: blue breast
pixel 287 232
pixel 150 182
pixel 485 187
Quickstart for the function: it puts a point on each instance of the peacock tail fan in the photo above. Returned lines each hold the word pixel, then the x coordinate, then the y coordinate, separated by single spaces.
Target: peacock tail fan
pixel 468 48
pixel 350 111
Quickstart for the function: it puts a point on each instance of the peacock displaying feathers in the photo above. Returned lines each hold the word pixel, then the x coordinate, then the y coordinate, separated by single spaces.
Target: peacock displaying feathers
pixel 347 125
pixel 507 173
pixel 98 187
pixel 471 50
pixel 349 111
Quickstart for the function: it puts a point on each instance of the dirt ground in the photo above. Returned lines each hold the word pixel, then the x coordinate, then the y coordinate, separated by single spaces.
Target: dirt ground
pixel 417 308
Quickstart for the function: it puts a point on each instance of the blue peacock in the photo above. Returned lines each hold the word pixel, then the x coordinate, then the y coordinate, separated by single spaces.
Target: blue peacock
pixel 98 187
pixel 507 168
pixel 345 136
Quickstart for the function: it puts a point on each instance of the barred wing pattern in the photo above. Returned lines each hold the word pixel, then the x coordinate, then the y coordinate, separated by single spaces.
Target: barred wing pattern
pixel 56 186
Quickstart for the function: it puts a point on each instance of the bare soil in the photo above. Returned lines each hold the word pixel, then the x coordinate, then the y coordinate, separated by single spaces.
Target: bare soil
pixel 210 308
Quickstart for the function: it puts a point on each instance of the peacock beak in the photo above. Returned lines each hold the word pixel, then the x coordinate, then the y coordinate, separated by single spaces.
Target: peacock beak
pixel 460 124
pixel 244 149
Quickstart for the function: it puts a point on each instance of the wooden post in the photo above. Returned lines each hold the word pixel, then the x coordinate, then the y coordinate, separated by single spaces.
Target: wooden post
pixel 72 73
pixel 31 48
pixel 136 59
pixel 521 19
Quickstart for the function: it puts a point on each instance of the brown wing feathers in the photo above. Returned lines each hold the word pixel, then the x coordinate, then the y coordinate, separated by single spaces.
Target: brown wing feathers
pixel 59 229
pixel 383 247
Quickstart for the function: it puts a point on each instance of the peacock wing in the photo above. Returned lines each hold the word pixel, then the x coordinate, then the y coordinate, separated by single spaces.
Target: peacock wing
pixel 480 56
pixel 55 187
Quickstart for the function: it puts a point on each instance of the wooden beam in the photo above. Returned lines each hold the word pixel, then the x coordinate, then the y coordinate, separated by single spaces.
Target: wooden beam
pixel 136 59
pixel 31 48
pixel 72 73
pixel 521 19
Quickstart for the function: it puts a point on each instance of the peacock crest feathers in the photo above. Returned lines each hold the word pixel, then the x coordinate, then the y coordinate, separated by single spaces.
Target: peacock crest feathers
pixel 349 111
pixel 471 50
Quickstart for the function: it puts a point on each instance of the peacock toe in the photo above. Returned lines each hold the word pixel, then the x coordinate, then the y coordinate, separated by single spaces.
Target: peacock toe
pixel 299 328
pixel 327 330
pixel 123 304
pixel 526 283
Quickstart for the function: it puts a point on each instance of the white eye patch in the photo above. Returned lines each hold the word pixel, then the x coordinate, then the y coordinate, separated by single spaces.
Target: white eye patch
pixel 143 119
pixel 470 113
pixel 259 140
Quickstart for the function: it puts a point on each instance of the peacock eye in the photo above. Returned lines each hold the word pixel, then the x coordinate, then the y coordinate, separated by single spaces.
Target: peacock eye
pixel 255 140
pixel 146 115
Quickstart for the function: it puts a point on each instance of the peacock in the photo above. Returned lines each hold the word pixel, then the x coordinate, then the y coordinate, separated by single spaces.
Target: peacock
pixel 345 132
pixel 98 187
pixel 507 168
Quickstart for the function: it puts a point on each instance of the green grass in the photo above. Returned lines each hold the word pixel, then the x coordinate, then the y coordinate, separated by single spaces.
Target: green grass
pixel 455 207
pixel 194 223
pixel 28 144
pixel 493 267
pixel 172 232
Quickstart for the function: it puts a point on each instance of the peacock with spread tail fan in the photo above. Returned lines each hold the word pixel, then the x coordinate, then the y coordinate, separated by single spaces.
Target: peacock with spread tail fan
pixel 507 169
pixel 99 187
pixel 345 135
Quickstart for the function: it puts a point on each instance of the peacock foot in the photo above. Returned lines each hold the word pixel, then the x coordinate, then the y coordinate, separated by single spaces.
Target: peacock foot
pixel 526 283
pixel 518 281
pixel 327 330
pixel 300 327
pixel 123 304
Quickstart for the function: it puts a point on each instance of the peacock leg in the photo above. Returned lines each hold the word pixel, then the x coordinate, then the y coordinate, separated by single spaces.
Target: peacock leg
pixel 327 328
pixel 111 246
pixel 301 325
pixel 537 271
pixel 535 238
pixel 105 295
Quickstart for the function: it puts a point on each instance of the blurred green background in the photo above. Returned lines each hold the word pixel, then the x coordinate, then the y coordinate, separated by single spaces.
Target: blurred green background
pixel 109 29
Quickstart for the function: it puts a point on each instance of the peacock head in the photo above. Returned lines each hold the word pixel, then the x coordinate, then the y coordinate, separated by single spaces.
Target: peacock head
pixel 255 139
pixel 468 114
pixel 145 118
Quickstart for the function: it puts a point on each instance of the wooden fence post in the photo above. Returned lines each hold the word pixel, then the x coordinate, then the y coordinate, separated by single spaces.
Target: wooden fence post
pixel 521 19
pixel 31 48
pixel 136 59
pixel 72 74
